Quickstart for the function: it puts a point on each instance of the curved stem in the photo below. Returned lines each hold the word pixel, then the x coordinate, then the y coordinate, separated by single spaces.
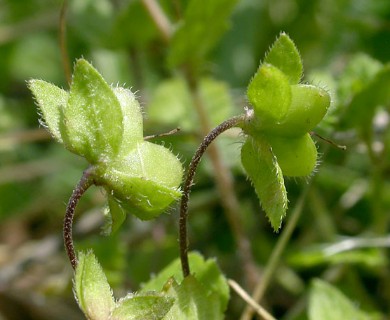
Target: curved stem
pixel 85 182
pixel 233 122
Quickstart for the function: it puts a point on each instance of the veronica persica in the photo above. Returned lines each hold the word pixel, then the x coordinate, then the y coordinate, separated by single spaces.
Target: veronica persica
pixel 283 113
pixel 104 125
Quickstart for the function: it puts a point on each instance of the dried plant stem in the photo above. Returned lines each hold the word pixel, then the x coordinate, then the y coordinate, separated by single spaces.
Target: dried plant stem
pixel 159 135
pixel 248 299
pixel 188 184
pixel 330 142
pixel 63 43
pixel 159 18
pixel 85 182
pixel 273 261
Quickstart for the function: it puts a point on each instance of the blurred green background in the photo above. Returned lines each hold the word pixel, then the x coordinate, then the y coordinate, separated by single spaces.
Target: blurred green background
pixel 343 234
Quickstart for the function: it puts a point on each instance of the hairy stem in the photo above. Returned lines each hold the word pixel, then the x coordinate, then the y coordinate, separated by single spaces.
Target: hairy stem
pixel 273 261
pixel 225 187
pixel 188 184
pixel 223 178
pixel 63 44
pixel 85 182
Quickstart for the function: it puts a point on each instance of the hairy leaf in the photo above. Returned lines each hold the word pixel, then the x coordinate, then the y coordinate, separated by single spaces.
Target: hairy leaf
pixel 146 306
pixel 193 301
pixel 206 272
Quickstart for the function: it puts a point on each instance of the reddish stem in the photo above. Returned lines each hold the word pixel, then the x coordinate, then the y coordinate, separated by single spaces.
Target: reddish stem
pixel 233 122
pixel 85 182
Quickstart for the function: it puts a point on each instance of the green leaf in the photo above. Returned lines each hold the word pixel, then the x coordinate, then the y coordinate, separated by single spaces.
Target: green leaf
pixel 145 306
pixel 51 100
pixel 360 70
pixel 318 255
pixel 296 156
pixel 326 302
pixel 93 118
pixel 361 110
pixel 285 56
pixel 93 293
pixel 269 93
pixel 309 105
pixel 263 170
pixel 145 181
pixel 132 15
pixel 203 25
pixel 217 100
pixel 206 272
pixel 193 302
pixel 172 103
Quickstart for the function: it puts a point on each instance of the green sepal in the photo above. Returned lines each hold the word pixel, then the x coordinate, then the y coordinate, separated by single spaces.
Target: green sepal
pixel 132 119
pixel 114 216
pixel 145 181
pixel 51 100
pixel 206 272
pixel 285 56
pixel 92 123
pixel 309 105
pixel 147 306
pixel 92 291
pixel 269 93
pixel 263 170
pixel 296 156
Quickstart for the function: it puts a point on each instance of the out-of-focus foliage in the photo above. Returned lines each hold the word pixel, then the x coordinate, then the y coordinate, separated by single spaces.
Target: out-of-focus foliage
pixel 344 48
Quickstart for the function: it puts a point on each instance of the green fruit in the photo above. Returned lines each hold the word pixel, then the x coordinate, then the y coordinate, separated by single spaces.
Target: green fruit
pixel 297 157
pixel 145 181
pixel 309 105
